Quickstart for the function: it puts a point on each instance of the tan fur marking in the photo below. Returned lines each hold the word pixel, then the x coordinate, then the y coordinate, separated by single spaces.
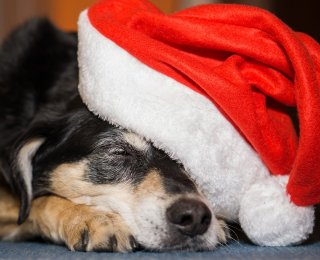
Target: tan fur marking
pixel 68 180
pixel 152 183
pixel 9 210
pixel 9 206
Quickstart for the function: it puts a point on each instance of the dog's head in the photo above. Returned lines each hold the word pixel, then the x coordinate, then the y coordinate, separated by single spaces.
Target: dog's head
pixel 89 161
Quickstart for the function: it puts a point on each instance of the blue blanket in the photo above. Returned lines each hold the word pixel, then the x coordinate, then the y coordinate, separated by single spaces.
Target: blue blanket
pixel 35 250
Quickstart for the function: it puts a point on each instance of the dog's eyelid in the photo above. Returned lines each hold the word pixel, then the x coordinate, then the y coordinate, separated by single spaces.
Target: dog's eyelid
pixel 120 151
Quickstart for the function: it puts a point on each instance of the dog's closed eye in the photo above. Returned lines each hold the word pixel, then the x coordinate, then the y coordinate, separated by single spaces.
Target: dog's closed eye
pixel 121 152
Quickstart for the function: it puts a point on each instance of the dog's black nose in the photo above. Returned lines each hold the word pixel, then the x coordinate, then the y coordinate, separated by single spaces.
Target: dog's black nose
pixel 190 216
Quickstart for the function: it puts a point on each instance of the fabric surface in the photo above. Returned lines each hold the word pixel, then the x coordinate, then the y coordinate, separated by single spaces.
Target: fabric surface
pixel 231 251
pixel 247 62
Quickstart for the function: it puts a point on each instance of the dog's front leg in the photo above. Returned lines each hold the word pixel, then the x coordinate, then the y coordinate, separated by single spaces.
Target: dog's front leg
pixel 80 227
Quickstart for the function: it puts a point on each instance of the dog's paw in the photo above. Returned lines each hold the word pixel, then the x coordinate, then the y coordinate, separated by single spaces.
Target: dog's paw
pixel 97 231
pixel 80 227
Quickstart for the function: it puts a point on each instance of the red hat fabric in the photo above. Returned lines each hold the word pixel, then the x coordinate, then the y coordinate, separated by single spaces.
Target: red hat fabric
pixel 244 60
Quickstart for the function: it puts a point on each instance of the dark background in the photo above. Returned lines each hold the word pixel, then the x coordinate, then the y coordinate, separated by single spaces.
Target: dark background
pixel 300 15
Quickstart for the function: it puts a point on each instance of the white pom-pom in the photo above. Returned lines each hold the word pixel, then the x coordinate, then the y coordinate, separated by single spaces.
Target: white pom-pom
pixel 269 218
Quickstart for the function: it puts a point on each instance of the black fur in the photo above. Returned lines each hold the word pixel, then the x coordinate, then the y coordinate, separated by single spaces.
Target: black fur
pixel 38 78
pixel 39 99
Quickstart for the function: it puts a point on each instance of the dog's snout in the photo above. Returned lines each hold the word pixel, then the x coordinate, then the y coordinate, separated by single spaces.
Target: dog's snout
pixel 190 216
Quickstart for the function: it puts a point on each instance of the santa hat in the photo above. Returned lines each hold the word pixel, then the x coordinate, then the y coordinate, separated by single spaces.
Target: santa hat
pixel 212 85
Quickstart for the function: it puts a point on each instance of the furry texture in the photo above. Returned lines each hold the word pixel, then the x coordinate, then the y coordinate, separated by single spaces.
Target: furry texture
pixel 51 144
pixel 269 217
pixel 38 80
pixel 222 163
pixel 246 61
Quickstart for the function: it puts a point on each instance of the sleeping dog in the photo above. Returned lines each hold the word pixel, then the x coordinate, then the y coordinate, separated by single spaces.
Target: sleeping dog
pixel 68 176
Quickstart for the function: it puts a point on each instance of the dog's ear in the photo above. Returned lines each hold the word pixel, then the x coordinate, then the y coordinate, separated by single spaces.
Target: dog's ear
pixel 21 173
pixel 41 146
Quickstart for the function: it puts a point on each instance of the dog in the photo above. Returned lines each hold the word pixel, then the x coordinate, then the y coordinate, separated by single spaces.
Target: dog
pixel 74 179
